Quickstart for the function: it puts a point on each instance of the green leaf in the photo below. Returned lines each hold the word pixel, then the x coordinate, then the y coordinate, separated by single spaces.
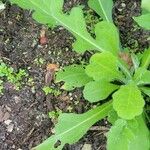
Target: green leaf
pixel 50 12
pixel 42 10
pixel 145 5
pixel 143 21
pixel 129 135
pixel 73 76
pixel 112 117
pixel 142 76
pixel 145 59
pixel 103 66
pixel 98 90
pixel 128 101
pixel 71 127
pixel 145 90
pixel 102 8
pixel 108 37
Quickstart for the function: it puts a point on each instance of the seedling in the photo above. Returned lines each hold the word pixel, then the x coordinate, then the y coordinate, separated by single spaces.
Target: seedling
pixel 119 84
pixel 7 73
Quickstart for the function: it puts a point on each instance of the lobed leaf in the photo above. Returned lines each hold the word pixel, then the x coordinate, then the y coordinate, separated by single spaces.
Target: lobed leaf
pixel 50 12
pixel 128 101
pixel 71 127
pixel 103 66
pixel 73 76
pixel 102 8
pixel 95 91
pixel 129 135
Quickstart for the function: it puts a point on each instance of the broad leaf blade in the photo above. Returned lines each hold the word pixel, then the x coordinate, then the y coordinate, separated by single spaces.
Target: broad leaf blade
pixel 129 135
pixel 143 21
pixel 128 101
pixel 103 66
pixel 102 8
pixel 73 76
pixel 71 127
pixel 98 90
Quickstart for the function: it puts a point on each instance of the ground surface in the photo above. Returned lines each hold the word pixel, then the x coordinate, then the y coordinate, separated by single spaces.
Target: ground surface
pixel 24 120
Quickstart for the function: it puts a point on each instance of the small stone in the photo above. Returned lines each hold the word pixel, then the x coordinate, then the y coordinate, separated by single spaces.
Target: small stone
pixel 8 108
pixel 7 122
pixel 13 146
pixel 17 99
pixel 6 116
pixel 10 128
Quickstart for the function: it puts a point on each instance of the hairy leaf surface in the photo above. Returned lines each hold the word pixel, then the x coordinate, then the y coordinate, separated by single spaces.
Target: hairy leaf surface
pixel 71 127
pixel 98 90
pixel 102 8
pixel 73 76
pixel 128 101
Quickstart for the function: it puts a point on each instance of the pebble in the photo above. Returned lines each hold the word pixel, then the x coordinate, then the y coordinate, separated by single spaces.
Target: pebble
pixel 7 122
pixel 10 128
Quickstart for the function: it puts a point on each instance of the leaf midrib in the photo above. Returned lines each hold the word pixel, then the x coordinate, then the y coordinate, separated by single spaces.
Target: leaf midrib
pixel 103 10
pixel 67 27
pixel 86 120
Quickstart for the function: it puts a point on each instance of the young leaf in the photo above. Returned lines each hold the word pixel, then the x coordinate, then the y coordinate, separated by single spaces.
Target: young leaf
pixel 103 66
pixel 73 76
pixel 146 59
pixel 71 127
pixel 145 90
pixel 98 90
pixel 142 76
pixel 129 135
pixel 102 8
pixel 128 101
pixel 143 21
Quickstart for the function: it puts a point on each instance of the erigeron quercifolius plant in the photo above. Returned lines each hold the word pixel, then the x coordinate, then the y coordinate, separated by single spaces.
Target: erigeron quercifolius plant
pixel 125 109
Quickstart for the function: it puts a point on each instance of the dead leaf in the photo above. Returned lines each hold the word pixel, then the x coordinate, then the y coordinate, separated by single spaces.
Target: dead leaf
pixel 50 72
